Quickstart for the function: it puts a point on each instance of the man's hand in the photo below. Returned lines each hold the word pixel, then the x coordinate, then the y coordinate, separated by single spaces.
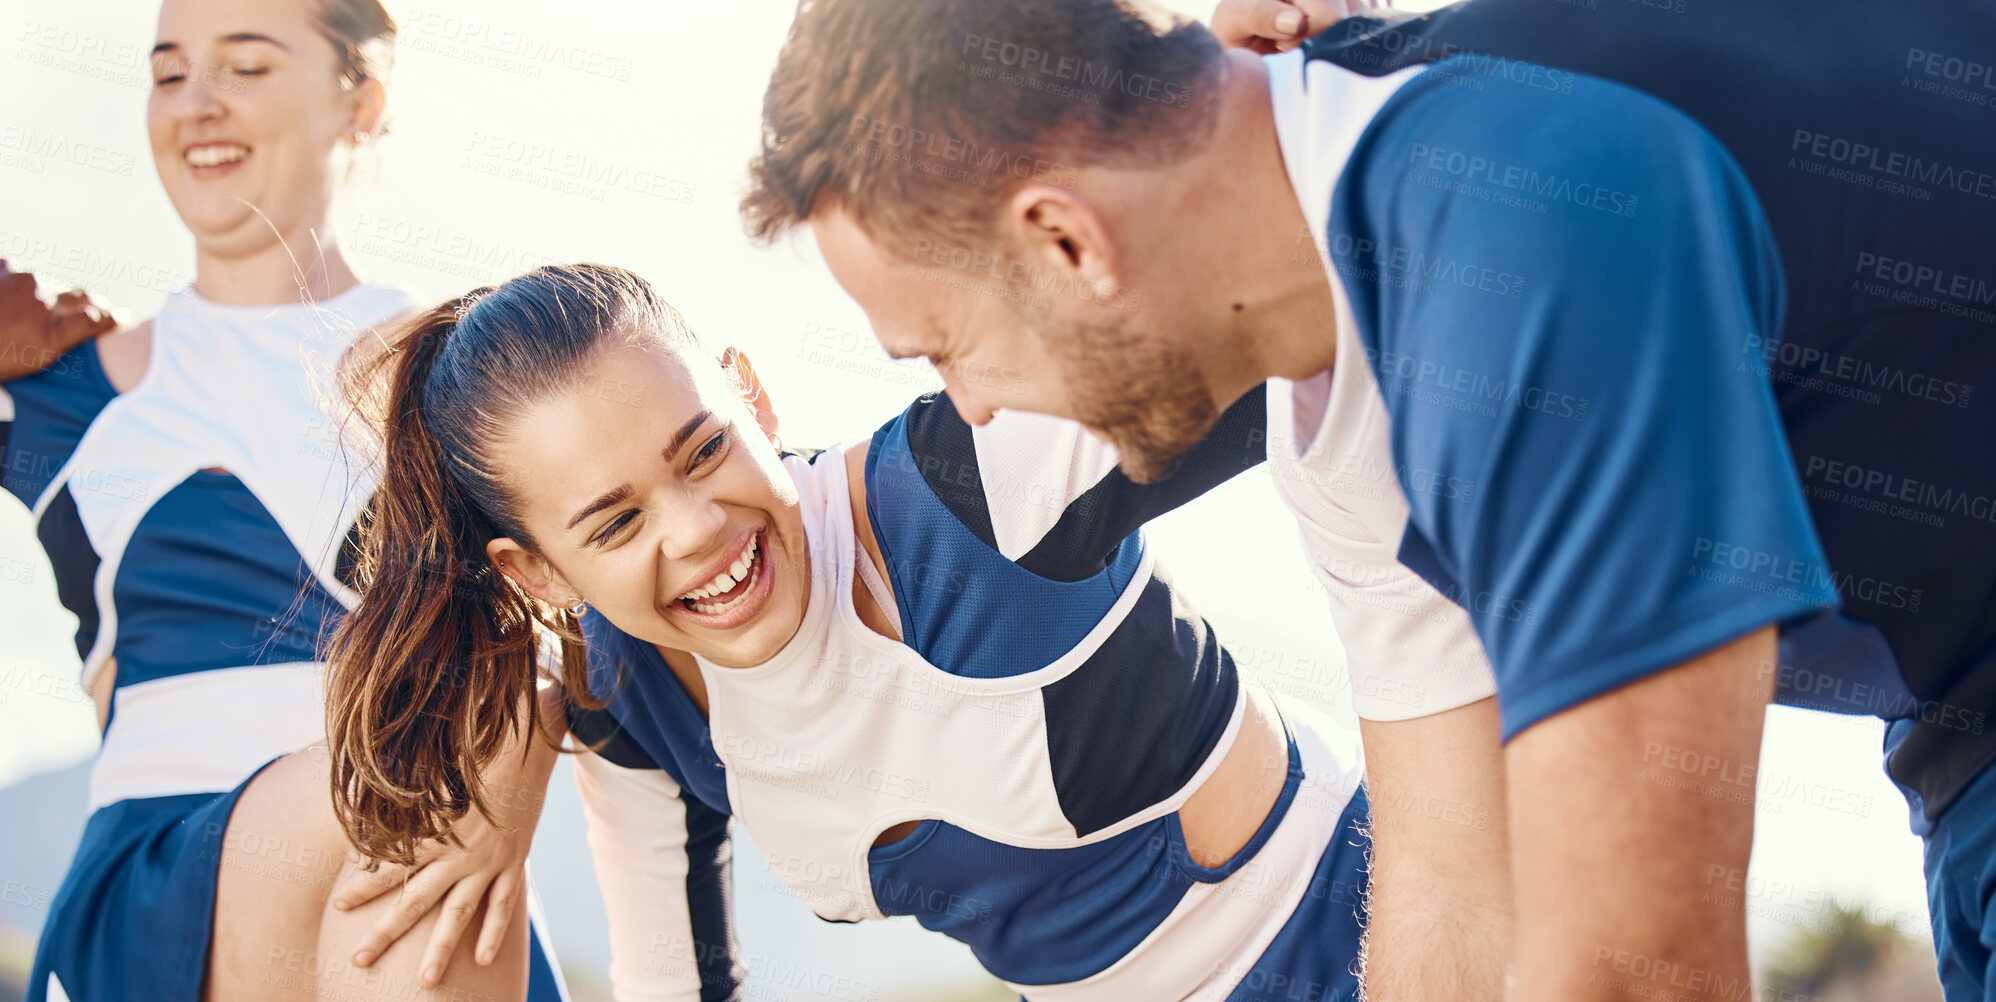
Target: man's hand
pixel 492 866
pixel 1270 26
pixel 33 334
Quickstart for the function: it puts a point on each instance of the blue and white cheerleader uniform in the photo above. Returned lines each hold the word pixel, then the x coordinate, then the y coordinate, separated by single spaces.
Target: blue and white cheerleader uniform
pixel 198 526
pixel 1052 707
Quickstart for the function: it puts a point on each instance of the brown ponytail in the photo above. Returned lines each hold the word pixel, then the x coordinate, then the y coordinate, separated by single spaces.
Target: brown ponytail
pixel 431 675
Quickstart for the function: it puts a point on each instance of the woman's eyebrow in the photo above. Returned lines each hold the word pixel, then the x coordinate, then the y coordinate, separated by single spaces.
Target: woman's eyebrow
pixel 240 36
pixel 604 500
pixel 685 432
pixel 610 497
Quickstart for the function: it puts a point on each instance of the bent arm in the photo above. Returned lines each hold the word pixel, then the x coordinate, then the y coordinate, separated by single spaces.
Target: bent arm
pixel 662 860
pixel 1626 447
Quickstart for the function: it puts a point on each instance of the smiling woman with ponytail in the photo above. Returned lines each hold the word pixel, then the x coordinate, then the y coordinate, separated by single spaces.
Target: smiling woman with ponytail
pixel 437 672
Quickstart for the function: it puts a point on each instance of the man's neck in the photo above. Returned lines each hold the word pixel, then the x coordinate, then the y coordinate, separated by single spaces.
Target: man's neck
pixel 1280 303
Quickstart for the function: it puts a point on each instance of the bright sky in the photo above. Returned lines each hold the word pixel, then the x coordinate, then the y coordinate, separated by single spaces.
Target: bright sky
pixel 656 106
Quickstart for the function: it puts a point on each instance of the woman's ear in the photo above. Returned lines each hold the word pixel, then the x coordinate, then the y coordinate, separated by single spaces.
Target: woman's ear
pixel 531 572
pixel 365 103
pixel 749 385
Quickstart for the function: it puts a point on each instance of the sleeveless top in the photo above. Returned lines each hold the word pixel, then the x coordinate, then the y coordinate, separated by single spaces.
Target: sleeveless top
pixel 882 736
pixel 1052 704
pixel 196 525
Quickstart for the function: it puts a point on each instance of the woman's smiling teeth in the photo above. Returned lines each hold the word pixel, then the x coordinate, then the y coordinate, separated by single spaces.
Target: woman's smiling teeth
pixel 704 598
pixel 216 154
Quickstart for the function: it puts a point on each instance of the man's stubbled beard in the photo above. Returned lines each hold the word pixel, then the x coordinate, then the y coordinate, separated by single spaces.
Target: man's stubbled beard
pixel 1148 400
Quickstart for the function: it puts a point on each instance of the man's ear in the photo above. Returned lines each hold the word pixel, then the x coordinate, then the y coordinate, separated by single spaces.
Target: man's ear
pixel 1060 230
pixel 531 572
pixel 749 385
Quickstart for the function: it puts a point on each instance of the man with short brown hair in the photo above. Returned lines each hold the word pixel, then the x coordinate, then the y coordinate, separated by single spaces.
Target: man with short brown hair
pixel 1568 361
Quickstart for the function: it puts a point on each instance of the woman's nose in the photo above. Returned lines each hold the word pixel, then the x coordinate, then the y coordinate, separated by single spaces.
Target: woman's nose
pixel 692 530
pixel 199 98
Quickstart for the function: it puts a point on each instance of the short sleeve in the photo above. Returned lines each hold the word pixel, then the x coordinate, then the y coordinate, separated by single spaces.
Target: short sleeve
pixel 1636 504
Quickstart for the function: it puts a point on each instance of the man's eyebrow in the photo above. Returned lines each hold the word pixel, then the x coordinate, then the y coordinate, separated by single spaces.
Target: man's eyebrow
pixel 604 500
pixel 240 36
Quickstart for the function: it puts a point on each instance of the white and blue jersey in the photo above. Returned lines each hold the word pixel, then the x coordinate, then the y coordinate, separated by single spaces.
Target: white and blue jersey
pixel 1652 334
pixel 1649 202
pixel 1051 706
pixel 198 526
pixel 1571 304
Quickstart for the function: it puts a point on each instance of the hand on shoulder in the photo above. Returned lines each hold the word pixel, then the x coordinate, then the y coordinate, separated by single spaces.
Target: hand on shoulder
pixel 33 333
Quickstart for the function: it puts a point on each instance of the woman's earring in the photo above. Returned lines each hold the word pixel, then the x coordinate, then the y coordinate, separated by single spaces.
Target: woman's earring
pixel 578 608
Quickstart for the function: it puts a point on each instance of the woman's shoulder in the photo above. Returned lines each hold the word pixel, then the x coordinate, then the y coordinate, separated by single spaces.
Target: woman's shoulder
pixel 124 354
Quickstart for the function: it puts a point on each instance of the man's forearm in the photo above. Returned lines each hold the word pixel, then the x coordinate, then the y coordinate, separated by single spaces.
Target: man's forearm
pixel 1438 898
pixel 1615 845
